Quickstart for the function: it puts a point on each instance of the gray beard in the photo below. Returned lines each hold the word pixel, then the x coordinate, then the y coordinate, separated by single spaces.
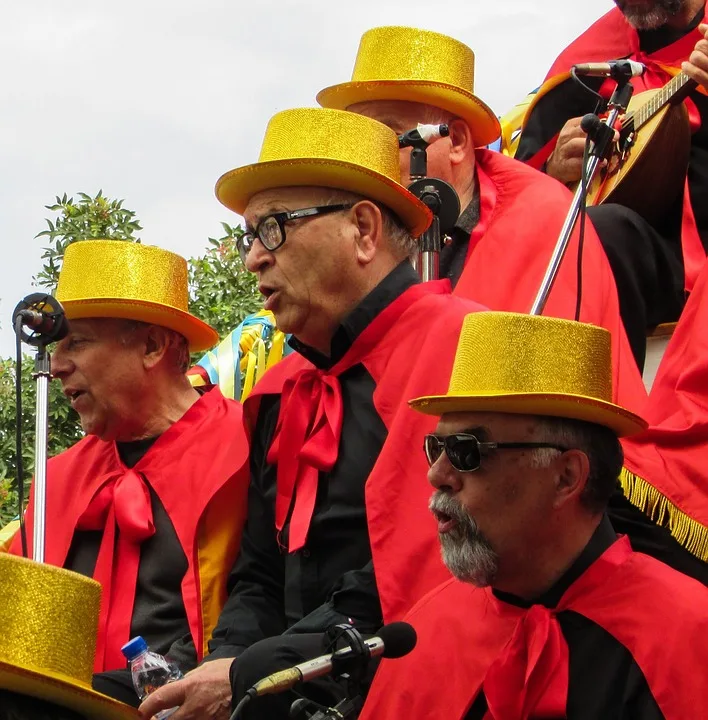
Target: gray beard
pixel 652 18
pixel 466 553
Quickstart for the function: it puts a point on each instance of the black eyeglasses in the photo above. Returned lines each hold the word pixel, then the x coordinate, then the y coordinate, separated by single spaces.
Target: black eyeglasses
pixel 465 451
pixel 271 229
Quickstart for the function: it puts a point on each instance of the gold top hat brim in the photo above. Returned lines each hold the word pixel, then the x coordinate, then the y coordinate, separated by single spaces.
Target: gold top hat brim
pixel 65 692
pixel 481 119
pixel 131 281
pixel 414 65
pixel 331 149
pixel 48 627
pixel 533 365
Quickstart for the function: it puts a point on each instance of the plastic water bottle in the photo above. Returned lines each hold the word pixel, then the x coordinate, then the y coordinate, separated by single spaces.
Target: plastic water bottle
pixel 149 671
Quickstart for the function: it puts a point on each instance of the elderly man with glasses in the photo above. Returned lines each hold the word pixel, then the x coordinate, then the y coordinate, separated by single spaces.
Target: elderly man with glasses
pixel 337 528
pixel 550 614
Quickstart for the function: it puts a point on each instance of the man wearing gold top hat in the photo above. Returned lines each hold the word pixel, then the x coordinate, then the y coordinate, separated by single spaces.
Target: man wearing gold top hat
pixel 150 502
pixel 403 76
pixel 329 233
pixel 550 614
pixel 48 626
pixel 511 216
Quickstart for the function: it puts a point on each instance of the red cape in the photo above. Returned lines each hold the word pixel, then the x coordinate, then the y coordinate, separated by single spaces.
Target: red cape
pixel 521 215
pixel 409 354
pixel 613 37
pixel 201 456
pixel 671 457
pixel 655 612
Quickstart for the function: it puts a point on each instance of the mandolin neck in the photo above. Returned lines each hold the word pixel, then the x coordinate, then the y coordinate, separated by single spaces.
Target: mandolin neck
pixel 674 92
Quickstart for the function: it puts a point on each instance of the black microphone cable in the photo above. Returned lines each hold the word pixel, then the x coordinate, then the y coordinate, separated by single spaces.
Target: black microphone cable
pixel 19 467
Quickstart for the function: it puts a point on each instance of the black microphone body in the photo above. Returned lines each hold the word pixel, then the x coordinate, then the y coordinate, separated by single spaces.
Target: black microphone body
pixel 613 69
pixel 394 640
pixel 43 316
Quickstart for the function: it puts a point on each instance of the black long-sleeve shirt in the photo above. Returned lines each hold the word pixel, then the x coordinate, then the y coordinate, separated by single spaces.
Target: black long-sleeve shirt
pixel 331 579
pixel 604 681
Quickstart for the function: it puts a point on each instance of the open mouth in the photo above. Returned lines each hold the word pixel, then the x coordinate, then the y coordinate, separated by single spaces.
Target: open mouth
pixel 445 522
pixel 74 395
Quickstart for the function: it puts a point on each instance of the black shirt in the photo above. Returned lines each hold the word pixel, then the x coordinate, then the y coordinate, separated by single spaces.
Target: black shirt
pixel 454 252
pixel 569 100
pixel 604 681
pixel 331 579
pixel 159 614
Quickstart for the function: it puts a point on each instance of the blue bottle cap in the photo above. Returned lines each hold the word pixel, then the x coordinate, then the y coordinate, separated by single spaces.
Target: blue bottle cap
pixel 134 647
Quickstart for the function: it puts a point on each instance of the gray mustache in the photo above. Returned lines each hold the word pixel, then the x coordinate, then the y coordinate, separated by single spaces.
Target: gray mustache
pixel 443 503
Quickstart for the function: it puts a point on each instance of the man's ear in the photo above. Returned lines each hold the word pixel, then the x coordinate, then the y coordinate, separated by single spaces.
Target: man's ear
pixel 461 141
pixel 369 226
pixel 574 470
pixel 157 342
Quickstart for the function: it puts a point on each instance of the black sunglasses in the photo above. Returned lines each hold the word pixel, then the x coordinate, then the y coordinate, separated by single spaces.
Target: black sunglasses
pixel 271 229
pixel 465 451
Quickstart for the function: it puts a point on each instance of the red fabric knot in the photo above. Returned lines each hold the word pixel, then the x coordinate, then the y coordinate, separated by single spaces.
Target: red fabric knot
pixel 530 678
pixel 306 442
pixel 122 509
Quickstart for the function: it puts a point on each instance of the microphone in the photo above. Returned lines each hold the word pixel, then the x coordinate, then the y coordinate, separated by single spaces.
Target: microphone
pixel 614 68
pixel 423 135
pixel 43 316
pixel 393 641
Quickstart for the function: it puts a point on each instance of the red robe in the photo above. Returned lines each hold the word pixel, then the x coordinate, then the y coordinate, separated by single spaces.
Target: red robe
pixel 656 613
pixel 408 350
pixel 198 469
pixel 667 466
pixel 521 215
pixel 613 37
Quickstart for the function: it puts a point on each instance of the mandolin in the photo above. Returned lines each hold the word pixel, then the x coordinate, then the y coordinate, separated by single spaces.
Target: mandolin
pixel 649 171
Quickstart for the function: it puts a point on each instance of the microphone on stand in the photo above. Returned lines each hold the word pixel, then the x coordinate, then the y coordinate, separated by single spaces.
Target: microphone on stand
pixel 423 135
pixel 44 318
pixel 625 68
pixel 393 641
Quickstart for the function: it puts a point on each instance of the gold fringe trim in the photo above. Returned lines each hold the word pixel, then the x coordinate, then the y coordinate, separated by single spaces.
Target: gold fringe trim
pixel 687 531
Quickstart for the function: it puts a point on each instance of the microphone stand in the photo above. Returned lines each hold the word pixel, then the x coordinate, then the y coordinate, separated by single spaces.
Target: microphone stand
pixel 601 133
pixel 47 306
pixel 439 196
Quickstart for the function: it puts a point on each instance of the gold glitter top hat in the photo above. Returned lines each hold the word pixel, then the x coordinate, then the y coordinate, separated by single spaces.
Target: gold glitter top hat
pixel 48 626
pixel 115 279
pixel 403 63
pixel 533 365
pixel 327 148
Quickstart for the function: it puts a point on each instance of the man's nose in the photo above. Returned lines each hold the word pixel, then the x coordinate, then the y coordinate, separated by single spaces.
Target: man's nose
pixel 61 366
pixel 443 476
pixel 258 257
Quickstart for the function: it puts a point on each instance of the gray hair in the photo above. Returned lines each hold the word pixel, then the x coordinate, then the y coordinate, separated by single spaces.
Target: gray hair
pixel 599 443
pixel 397 234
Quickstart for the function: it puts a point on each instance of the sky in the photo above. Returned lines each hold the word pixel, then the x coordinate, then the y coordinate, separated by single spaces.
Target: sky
pixel 151 101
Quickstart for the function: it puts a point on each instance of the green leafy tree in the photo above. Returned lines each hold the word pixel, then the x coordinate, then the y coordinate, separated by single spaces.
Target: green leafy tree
pixel 84 219
pixel 222 292
pixel 64 430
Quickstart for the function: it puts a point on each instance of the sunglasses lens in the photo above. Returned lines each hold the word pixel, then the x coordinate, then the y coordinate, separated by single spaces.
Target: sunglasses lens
pixel 433 447
pixel 463 454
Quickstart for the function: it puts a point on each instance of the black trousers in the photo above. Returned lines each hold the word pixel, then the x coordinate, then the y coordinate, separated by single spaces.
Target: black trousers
pixel 648 271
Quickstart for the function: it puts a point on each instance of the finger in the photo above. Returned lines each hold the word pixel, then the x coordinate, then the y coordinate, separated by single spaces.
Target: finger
pixel 573 149
pixel 703 29
pixel 168 696
pixel 695 73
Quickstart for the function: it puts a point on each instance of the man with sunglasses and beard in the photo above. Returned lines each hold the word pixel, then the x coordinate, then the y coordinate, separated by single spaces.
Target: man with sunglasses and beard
pixel 550 614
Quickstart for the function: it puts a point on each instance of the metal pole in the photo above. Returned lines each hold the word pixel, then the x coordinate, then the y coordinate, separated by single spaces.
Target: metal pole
pixel 567 230
pixel 42 374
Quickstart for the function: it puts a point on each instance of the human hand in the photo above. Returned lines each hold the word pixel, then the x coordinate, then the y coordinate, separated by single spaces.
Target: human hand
pixel 566 160
pixel 697 65
pixel 202 693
